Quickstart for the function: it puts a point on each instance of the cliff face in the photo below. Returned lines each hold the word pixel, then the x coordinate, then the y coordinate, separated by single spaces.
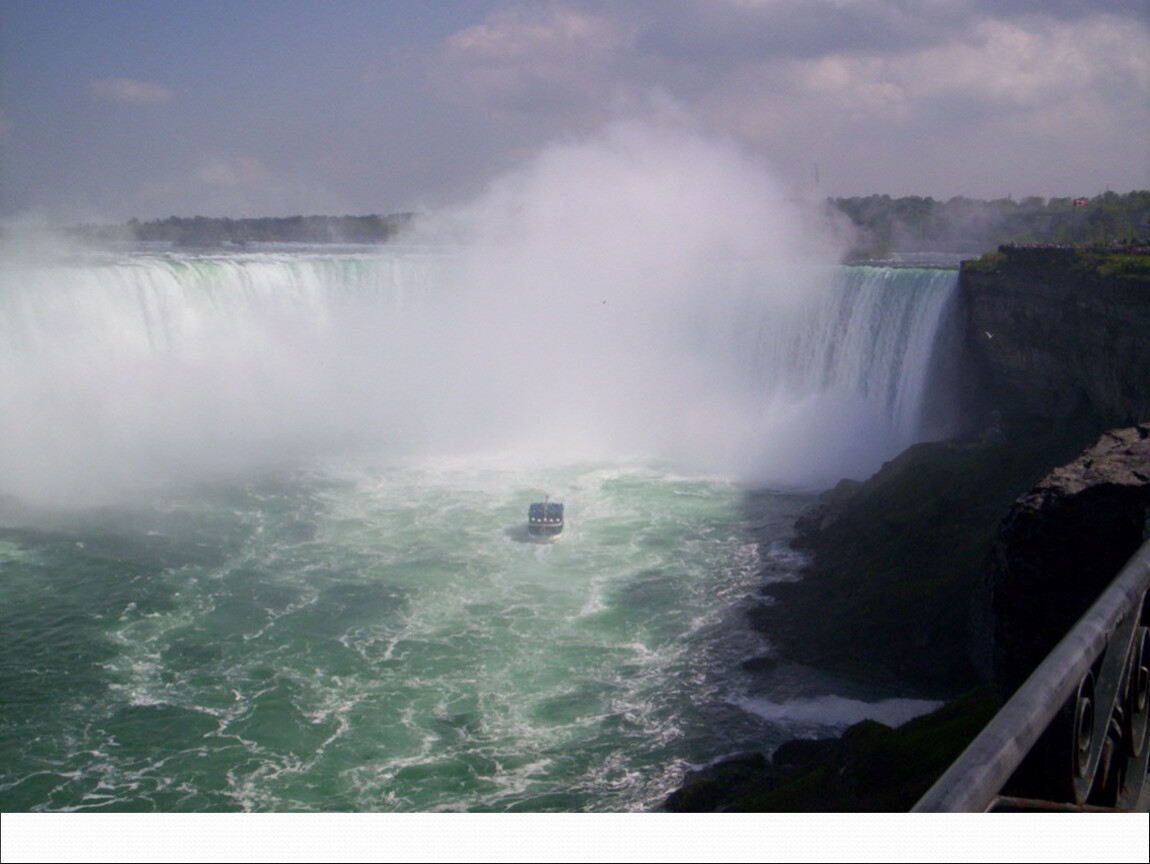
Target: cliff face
pixel 897 564
pixel 1061 337
pixel 1061 544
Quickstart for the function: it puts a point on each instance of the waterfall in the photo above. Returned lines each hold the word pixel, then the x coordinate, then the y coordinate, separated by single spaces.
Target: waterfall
pixel 840 380
pixel 131 370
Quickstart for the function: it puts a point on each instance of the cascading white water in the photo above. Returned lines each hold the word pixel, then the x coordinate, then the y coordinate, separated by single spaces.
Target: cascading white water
pixel 118 373
pixel 843 384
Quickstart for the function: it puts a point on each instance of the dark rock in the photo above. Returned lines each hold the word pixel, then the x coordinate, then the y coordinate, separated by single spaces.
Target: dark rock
pixel 760 664
pixel 801 753
pixel 895 561
pixel 1061 544
pixel 824 513
pixel 726 782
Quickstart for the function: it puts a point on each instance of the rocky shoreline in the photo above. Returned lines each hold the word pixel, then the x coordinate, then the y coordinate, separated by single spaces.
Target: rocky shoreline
pixel 954 569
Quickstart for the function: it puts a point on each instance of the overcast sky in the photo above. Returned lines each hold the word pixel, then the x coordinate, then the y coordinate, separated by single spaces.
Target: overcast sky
pixel 111 109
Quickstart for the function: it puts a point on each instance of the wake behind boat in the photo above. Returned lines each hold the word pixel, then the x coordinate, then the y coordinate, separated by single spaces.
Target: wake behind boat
pixel 545 520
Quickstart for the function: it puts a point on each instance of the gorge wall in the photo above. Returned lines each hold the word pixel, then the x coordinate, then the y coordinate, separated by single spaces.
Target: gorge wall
pixel 1058 338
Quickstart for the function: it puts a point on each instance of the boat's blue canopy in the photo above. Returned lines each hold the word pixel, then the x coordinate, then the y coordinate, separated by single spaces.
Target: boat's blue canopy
pixel 548 510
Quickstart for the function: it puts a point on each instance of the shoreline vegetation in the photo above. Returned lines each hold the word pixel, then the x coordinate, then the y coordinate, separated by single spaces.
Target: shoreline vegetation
pixel 878 226
pixel 212 232
pixel 885 225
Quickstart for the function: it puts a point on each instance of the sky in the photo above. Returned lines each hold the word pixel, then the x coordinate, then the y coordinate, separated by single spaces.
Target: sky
pixel 115 109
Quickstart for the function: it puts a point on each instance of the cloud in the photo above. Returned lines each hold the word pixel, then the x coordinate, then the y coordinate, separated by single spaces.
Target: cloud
pixel 128 91
pixel 534 58
pixel 961 78
pixel 5 126
pixel 776 61
pixel 1009 65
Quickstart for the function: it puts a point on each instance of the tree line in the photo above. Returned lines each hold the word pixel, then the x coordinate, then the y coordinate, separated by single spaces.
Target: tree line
pixel 880 225
pixel 914 224
pixel 205 231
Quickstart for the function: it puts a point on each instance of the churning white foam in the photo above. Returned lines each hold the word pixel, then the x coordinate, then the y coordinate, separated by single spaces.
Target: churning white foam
pixel 838 712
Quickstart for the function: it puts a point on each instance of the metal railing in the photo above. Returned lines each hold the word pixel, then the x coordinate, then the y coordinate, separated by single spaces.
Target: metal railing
pixel 1086 704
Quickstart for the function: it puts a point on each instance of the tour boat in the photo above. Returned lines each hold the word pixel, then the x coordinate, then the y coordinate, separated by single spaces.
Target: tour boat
pixel 545 520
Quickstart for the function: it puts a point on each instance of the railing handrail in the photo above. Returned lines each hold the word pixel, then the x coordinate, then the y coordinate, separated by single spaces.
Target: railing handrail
pixel 974 780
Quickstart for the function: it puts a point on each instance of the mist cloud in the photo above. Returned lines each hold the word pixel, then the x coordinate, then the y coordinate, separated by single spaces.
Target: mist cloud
pixel 589 302
pixel 584 306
